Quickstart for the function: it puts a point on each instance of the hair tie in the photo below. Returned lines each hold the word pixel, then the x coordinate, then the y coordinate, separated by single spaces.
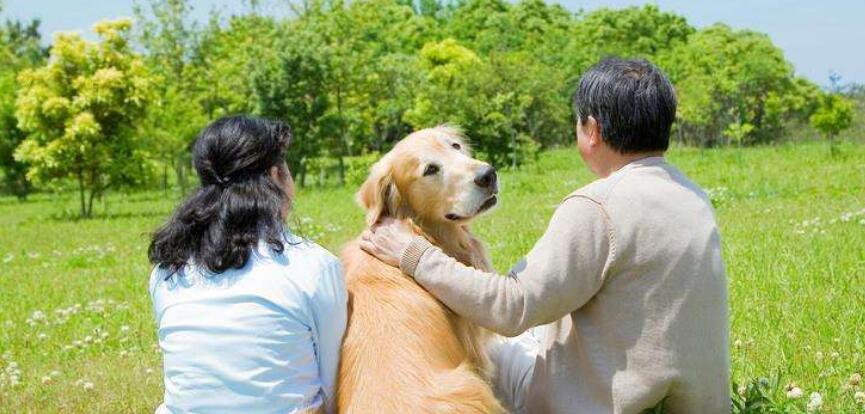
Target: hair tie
pixel 222 181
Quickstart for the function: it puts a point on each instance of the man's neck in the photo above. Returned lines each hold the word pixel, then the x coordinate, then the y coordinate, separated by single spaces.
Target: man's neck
pixel 618 161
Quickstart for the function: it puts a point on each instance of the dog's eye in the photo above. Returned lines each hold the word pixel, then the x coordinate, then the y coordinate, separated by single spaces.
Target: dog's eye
pixel 431 169
pixel 456 146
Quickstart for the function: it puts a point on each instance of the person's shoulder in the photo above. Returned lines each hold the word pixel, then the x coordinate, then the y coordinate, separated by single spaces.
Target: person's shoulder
pixel 597 191
pixel 295 244
pixel 307 256
pixel 157 276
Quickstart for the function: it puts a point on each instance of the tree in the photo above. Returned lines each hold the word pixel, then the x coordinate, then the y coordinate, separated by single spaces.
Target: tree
pixel 226 57
pixel 169 37
pixel 835 114
pixel 19 48
pixel 80 112
pixel 631 32
pixel 294 89
pixel 504 112
pixel 733 85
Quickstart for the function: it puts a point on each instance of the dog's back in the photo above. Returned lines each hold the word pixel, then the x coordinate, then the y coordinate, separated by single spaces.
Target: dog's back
pixel 403 349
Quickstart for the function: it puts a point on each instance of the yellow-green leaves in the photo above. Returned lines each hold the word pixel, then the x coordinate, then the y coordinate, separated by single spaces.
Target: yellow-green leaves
pixel 834 115
pixel 81 109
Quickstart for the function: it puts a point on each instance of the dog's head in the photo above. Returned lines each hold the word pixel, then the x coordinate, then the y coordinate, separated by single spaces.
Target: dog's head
pixel 430 175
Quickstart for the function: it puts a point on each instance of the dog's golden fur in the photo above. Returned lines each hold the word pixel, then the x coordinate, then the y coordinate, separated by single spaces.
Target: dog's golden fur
pixel 404 351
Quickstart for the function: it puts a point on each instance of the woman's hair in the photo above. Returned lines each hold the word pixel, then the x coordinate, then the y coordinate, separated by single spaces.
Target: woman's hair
pixel 238 203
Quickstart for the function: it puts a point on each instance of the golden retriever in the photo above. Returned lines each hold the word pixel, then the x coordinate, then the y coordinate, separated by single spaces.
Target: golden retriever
pixel 404 351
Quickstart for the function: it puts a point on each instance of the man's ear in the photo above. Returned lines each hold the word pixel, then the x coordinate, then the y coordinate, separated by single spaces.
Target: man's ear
pixel 593 130
pixel 378 195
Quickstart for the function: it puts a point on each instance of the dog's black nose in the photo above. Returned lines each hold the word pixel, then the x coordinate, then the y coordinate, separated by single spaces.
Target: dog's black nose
pixel 486 177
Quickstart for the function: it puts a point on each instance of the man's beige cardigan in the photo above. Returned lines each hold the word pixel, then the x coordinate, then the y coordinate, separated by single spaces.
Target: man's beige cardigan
pixel 630 278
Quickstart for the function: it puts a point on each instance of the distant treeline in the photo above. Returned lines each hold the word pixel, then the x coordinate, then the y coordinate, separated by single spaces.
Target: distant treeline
pixel 351 78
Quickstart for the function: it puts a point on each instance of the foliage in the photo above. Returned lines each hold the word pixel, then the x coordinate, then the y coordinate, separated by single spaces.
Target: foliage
pixel 80 110
pixel 645 32
pixel 170 39
pixel 225 57
pixel 19 49
pixel 352 78
pixel 734 86
pixel 756 397
pixel 835 114
pixel 504 114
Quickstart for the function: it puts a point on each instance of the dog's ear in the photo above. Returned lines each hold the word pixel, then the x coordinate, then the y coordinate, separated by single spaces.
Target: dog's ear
pixel 378 195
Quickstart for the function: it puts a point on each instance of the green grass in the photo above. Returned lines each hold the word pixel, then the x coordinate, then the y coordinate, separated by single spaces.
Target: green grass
pixel 797 291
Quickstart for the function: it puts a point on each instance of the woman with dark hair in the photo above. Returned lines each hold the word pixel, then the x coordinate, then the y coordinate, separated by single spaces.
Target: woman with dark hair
pixel 250 317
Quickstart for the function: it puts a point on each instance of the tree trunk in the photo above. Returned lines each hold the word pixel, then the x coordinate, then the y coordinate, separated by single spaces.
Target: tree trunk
pixel 81 194
pixel 180 172
pixel 343 137
pixel 165 178
pixel 90 203
pixel 302 173
pixel 341 170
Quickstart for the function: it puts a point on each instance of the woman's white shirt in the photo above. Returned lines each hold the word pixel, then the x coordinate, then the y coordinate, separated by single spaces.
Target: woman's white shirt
pixel 261 339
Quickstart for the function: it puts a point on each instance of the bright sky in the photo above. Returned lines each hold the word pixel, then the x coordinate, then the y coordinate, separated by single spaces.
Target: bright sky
pixel 819 37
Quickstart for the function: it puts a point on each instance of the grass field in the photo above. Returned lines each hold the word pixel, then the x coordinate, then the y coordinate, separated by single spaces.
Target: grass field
pixel 77 332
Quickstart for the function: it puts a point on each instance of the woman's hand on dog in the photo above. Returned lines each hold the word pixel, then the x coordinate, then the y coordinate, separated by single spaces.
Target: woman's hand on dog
pixel 387 240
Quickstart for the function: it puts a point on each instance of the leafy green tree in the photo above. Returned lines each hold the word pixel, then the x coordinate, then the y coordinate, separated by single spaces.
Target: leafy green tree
pixel 483 25
pixel 226 57
pixel 728 79
pixel 504 115
pixel 386 67
pixel 631 32
pixel 835 114
pixel 19 48
pixel 170 38
pixel 294 89
pixel 80 112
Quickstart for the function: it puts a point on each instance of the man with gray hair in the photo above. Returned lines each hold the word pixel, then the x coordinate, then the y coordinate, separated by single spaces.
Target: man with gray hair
pixel 628 277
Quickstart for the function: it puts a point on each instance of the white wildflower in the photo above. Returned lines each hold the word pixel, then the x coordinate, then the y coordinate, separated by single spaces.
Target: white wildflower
pixel 42 336
pixel 46 380
pixel 38 315
pixel 88 386
pixel 794 393
pixel 855 379
pixel 815 402
pixel 859 397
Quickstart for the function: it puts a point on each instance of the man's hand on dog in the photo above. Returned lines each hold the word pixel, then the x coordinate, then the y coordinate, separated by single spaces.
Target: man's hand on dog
pixel 387 240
